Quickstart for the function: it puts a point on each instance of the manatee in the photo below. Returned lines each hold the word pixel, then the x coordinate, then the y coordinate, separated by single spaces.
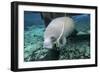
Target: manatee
pixel 57 31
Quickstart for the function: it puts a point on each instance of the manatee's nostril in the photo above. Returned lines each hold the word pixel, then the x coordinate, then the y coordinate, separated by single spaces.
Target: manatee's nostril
pixel 45 45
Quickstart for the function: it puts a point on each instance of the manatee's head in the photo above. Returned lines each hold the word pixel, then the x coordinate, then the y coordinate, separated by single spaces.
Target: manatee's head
pixel 49 42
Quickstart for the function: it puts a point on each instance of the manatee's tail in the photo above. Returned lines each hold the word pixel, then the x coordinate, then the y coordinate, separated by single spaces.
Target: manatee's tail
pixel 82 22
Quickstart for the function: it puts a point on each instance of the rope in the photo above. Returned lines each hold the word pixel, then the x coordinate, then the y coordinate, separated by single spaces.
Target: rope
pixel 57 42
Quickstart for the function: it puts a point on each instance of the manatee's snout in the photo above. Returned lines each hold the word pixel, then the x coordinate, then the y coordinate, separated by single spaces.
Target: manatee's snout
pixel 47 44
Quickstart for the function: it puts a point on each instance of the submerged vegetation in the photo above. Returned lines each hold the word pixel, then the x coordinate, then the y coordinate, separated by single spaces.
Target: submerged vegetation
pixel 77 47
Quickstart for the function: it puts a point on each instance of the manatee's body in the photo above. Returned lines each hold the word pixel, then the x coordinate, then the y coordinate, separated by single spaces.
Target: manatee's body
pixel 60 28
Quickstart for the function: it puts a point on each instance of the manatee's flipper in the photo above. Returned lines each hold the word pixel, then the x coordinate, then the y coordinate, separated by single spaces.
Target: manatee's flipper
pixel 62 42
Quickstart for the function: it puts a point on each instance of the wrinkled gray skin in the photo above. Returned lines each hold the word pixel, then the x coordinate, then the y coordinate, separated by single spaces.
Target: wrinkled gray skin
pixel 54 30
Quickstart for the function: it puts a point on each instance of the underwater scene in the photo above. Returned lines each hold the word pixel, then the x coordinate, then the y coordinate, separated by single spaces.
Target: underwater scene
pixel 77 45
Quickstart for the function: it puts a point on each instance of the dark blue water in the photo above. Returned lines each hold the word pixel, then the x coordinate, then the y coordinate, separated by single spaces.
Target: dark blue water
pixel 32 18
pixel 82 22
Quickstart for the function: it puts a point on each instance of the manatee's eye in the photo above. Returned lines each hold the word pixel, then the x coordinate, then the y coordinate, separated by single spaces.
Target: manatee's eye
pixel 53 39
